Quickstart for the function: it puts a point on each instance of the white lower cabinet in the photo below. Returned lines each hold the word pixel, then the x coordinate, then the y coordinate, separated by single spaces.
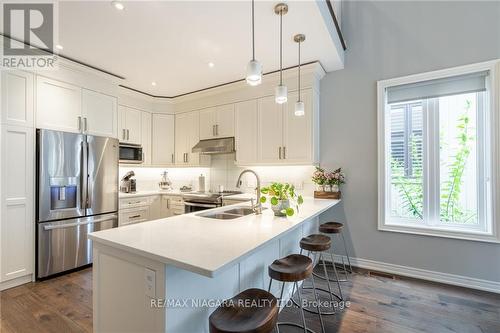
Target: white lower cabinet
pixel 134 215
pixel 171 205
pixel 17 161
pixel 149 207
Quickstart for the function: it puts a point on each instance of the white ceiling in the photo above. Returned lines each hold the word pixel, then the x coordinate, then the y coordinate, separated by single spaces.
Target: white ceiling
pixel 172 42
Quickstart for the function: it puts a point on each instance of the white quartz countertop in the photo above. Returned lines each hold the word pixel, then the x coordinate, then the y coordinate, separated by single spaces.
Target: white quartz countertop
pixel 204 245
pixel 149 193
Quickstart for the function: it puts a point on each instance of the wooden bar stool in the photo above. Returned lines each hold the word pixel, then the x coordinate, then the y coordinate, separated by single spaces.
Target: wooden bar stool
pixel 336 228
pixel 293 268
pixel 316 244
pixel 252 311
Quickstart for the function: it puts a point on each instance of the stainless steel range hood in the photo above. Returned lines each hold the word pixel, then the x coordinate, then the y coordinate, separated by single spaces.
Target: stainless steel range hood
pixel 215 146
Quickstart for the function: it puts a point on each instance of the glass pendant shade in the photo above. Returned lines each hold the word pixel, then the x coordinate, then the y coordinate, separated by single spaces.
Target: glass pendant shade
pixel 299 108
pixel 254 73
pixel 281 94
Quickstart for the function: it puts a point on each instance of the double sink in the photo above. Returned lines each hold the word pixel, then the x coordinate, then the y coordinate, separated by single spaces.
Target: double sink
pixel 228 214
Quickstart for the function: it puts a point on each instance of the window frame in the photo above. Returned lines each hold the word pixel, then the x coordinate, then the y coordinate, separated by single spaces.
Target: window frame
pixel 384 144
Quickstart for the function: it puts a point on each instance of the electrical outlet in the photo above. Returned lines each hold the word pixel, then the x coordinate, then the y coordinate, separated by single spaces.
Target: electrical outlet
pixel 298 185
pixel 150 282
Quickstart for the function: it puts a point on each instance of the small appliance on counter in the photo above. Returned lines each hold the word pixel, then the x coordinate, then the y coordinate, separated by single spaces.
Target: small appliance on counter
pixel 165 183
pixel 128 185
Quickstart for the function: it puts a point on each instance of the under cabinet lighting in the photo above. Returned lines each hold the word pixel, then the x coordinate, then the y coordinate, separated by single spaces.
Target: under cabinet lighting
pixel 59 47
pixel 211 65
pixel 153 83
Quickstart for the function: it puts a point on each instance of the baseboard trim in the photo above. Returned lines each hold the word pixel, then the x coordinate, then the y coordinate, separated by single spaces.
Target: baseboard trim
pixel 452 279
pixel 16 282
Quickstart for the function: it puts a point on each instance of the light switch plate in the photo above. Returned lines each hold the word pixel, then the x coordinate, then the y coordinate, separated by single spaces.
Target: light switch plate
pixel 150 282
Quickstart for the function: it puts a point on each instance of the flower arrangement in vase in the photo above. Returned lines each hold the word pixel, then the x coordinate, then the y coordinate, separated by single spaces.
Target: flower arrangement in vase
pixel 328 181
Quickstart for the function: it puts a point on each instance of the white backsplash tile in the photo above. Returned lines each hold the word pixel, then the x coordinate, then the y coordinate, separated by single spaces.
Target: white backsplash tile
pixel 223 171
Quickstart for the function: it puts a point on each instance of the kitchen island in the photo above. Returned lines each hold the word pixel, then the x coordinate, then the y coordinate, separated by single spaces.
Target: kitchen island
pixel 167 275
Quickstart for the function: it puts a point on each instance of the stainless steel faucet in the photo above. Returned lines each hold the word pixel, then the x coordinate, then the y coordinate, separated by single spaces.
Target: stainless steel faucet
pixel 257 208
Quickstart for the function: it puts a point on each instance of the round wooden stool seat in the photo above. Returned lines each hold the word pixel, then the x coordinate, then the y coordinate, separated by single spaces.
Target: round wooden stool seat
pixel 316 243
pixel 331 228
pixel 252 311
pixel 292 268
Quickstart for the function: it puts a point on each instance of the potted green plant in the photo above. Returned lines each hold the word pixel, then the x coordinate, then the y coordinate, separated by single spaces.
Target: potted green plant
pixel 282 196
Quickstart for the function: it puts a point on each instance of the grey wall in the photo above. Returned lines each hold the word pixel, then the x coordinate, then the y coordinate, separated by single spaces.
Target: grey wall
pixel 386 40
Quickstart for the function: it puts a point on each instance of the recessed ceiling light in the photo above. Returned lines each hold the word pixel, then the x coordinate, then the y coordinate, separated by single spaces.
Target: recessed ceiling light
pixel 118 5
pixel 59 47
pixel 153 83
pixel 211 65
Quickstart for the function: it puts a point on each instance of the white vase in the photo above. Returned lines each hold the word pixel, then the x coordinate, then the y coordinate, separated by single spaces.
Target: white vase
pixel 334 188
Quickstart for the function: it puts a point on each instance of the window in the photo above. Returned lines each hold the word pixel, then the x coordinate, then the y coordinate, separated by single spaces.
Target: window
pixel 437 153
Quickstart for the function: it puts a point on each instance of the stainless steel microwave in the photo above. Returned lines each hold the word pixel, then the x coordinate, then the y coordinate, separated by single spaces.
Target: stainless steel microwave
pixel 131 153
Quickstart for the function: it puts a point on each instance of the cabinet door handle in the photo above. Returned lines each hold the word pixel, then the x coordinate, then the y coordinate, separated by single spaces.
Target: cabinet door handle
pixel 279 152
pixel 172 158
pixel 79 124
pixel 124 135
pixel 187 157
pixel 284 153
pixel 134 217
pixel 213 130
pixel 216 130
pixel 128 134
pixel 85 124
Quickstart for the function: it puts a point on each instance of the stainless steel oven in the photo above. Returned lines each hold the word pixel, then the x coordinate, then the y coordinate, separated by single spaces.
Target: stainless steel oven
pixel 191 207
pixel 131 153
pixel 197 201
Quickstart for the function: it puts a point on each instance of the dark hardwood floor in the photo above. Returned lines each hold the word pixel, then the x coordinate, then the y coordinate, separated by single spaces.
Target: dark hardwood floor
pixel 377 304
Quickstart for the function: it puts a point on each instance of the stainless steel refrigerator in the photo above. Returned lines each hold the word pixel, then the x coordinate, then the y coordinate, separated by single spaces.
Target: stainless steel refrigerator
pixel 77 193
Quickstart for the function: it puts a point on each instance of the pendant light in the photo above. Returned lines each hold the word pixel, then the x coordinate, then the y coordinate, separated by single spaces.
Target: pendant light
pixel 254 68
pixel 281 91
pixel 299 105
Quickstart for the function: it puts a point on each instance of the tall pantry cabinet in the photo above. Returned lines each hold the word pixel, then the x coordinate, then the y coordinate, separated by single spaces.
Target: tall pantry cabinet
pixel 17 178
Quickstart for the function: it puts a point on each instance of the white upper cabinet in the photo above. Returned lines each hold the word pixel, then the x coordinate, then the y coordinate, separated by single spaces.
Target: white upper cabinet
pixel 283 137
pixel 224 125
pixel 246 129
pixel 298 130
pixel 163 139
pixel 58 105
pixel 181 137
pixel 270 134
pixel 207 123
pixel 99 112
pixel 187 135
pixel 130 121
pixel 146 137
pixel 17 98
pixel 217 122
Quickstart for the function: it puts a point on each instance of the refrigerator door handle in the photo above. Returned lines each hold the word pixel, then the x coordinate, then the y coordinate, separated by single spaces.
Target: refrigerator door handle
pixel 69 225
pixel 84 176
